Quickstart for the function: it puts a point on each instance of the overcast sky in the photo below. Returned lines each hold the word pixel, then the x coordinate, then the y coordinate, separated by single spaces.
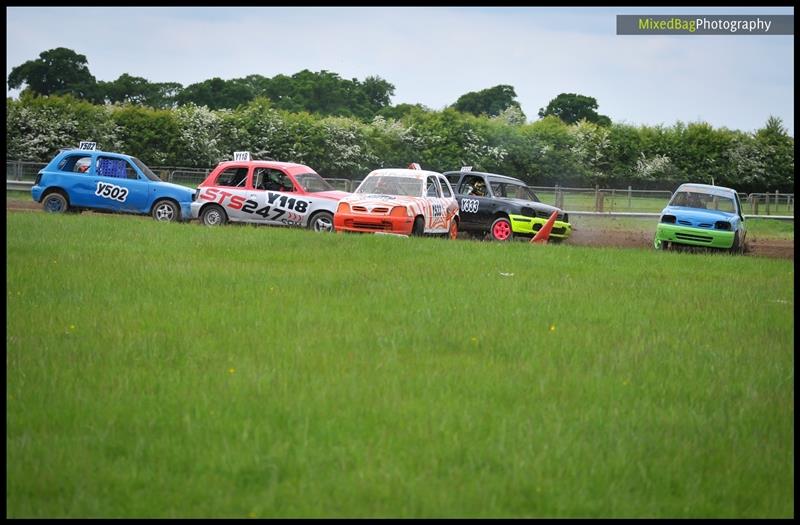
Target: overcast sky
pixel 434 55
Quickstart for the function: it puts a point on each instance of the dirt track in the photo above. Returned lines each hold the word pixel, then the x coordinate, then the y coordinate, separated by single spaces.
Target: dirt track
pixel 582 236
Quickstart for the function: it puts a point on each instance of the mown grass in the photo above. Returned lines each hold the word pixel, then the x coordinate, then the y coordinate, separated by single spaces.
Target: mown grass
pixel 174 370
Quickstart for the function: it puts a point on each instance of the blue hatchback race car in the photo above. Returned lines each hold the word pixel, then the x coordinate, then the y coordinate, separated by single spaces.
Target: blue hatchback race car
pixel 700 215
pixel 88 179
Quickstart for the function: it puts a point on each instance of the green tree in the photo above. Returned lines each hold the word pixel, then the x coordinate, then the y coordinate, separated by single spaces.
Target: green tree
pixel 138 90
pixel 401 110
pixel 378 93
pixel 777 148
pixel 572 108
pixel 491 101
pixel 58 71
pixel 216 93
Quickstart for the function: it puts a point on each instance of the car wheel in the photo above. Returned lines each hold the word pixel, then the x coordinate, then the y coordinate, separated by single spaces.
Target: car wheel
pixel 165 211
pixel 419 227
pixel 55 203
pixel 213 215
pixel 737 247
pixel 321 222
pixel 501 230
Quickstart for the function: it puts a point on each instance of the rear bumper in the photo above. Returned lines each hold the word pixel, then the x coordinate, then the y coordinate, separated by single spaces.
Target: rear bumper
pixel 36 193
pixel 694 236
pixel 360 222
pixel 531 225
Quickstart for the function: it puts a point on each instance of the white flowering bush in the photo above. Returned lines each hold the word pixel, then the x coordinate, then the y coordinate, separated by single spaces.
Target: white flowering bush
pixel 512 116
pixel 590 148
pixel 652 168
pixel 747 161
pixel 198 129
pixel 37 128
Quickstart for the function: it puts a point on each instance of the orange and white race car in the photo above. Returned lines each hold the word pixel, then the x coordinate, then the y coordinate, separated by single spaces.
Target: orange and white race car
pixel 400 201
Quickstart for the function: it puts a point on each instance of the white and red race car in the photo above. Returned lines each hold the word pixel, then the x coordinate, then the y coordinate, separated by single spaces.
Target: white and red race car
pixel 266 192
pixel 400 201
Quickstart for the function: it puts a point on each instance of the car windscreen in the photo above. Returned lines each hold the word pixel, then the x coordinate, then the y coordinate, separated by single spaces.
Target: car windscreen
pixel 703 201
pixel 391 185
pixel 147 171
pixel 312 183
pixel 513 191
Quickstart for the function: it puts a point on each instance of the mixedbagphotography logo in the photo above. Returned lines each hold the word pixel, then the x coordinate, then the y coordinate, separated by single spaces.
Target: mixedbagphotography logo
pixel 705 24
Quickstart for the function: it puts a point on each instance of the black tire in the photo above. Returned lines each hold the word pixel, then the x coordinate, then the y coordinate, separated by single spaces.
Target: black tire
pixel 501 230
pixel 166 211
pixel 213 215
pixel 55 202
pixel 322 221
pixel 419 227
pixel 737 248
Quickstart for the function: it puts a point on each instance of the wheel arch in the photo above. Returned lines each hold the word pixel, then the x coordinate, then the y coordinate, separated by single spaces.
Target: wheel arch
pixel 55 189
pixel 165 198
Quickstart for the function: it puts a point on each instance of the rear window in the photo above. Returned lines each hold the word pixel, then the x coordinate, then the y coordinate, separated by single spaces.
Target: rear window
pixel 75 163
pixel 232 177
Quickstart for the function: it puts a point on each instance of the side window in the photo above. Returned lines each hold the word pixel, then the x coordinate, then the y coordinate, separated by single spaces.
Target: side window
pixel 499 190
pixel 272 179
pixel 232 177
pixel 115 168
pixel 75 163
pixel 445 188
pixel 473 185
pixel 432 189
pixel 453 179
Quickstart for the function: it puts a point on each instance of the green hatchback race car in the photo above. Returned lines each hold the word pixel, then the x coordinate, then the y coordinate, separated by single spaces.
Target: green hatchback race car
pixel 701 215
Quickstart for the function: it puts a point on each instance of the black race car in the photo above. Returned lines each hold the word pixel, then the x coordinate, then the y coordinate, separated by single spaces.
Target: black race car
pixel 502 206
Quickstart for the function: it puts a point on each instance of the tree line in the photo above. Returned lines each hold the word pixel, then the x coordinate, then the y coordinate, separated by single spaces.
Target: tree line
pixel 62 71
pixel 545 152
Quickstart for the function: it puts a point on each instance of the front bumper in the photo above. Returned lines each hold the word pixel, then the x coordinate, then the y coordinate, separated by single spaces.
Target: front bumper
pixel 361 222
pixel 523 225
pixel 694 236
pixel 194 209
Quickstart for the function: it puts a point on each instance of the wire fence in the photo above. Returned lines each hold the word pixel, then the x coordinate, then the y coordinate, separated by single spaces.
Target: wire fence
pixel 603 200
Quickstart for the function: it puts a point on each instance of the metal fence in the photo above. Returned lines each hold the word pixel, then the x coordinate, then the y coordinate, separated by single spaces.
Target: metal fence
pixel 599 200
pixel 628 200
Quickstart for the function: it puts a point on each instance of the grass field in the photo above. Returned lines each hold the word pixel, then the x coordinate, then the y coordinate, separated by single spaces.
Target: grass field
pixel 172 370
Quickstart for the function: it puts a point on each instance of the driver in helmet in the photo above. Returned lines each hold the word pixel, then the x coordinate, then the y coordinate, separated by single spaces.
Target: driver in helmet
pixel 478 189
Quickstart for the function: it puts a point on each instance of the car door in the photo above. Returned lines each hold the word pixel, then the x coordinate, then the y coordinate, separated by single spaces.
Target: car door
pixel 117 185
pixel 476 208
pixel 276 200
